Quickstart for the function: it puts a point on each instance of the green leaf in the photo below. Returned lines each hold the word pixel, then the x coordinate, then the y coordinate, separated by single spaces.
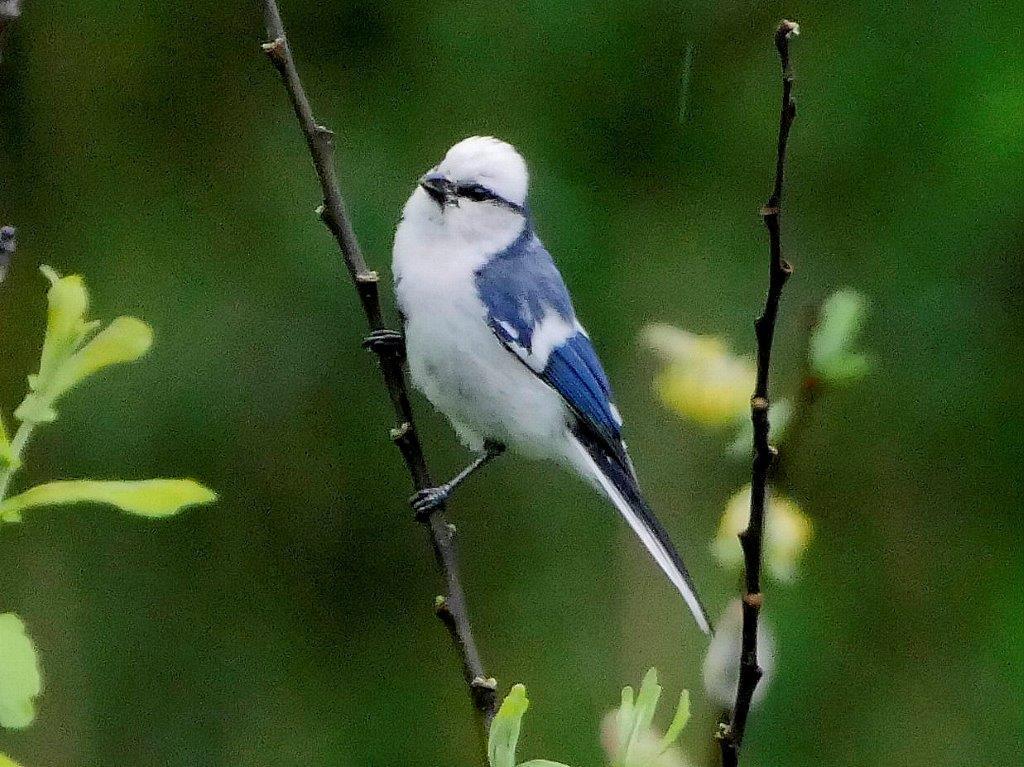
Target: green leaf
pixel 642 714
pixel 148 498
pixel 682 716
pixel 624 722
pixel 6 761
pixel 845 368
pixel 20 681
pixel 5 446
pixel 840 321
pixel 66 326
pixel 123 340
pixel 531 763
pixel 504 735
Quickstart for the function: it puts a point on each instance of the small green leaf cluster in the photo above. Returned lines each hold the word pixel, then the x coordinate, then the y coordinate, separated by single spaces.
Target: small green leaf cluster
pixel 831 355
pixel 73 349
pixel 632 741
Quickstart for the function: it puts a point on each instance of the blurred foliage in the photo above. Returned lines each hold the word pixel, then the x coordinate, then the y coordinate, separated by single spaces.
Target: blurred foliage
pixel 839 322
pixel 787 533
pixel 20 681
pixel 154 151
pixel 701 380
pixel 628 735
pixel 73 348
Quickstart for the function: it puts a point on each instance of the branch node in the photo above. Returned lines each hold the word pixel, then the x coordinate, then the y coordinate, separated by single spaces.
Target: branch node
pixel 786 30
pixel 480 683
pixel 401 433
pixel 275 50
pixel 754 600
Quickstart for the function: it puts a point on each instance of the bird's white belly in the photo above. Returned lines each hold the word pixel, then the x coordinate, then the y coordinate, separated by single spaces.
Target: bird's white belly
pixel 467 374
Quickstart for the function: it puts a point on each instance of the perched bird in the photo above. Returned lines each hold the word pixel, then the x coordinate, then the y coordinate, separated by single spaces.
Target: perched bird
pixel 493 342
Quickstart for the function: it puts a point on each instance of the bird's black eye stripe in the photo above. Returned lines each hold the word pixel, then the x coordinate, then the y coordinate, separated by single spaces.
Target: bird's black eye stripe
pixel 480 193
pixel 475 192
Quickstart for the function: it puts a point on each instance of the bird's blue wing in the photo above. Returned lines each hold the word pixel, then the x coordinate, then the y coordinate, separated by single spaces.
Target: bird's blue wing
pixel 529 310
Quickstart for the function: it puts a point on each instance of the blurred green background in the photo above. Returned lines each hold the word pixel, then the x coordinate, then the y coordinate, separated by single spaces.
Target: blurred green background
pixel 150 147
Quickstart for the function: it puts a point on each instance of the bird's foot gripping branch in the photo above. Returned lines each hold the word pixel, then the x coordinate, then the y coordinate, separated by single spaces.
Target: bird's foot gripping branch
pixel 452 606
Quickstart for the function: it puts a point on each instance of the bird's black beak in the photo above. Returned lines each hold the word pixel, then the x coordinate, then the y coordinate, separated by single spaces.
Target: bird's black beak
pixel 438 187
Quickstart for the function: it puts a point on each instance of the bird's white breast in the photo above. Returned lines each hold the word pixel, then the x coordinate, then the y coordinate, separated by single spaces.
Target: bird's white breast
pixel 454 357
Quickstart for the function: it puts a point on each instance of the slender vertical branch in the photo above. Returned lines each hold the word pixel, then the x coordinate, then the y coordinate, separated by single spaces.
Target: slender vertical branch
pixel 451 608
pixel 731 734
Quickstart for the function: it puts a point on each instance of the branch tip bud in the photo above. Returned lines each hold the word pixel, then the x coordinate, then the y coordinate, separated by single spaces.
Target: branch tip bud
pixel 480 683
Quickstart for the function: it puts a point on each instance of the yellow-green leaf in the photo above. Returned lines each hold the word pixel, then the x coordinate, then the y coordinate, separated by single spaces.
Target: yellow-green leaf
pixel 149 498
pixel 5 447
pixel 66 326
pixel 839 324
pixel 628 734
pixel 123 340
pixel 20 681
pixel 642 716
pixel 504 735
pixel 6 761
pixel 679 720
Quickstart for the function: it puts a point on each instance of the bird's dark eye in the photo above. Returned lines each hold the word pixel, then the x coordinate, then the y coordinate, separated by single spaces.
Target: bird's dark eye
pixel 474 192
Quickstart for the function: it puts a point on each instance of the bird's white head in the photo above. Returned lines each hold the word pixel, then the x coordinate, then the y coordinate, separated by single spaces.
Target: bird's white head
pixel 478 190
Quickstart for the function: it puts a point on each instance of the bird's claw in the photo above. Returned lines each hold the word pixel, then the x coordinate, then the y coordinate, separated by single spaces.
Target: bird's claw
pixel 384 341
pixel 425 502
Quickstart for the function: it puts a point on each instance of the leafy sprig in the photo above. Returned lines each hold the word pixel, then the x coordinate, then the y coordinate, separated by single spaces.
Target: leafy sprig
pixel 74 348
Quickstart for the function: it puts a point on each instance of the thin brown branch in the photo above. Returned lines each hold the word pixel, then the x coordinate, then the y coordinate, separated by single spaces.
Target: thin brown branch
pixel 451 608
pixel 731 734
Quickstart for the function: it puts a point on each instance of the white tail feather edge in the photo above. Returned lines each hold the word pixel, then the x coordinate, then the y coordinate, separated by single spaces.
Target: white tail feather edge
pixel 589 468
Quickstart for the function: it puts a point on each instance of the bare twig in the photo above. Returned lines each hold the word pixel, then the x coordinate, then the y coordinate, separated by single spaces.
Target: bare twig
pixel 451 608
pixel 731 734
pixel 10 10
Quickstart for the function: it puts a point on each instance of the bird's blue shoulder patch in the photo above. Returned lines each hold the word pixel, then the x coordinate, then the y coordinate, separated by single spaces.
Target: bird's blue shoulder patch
pixel 519 286
pixel 529 310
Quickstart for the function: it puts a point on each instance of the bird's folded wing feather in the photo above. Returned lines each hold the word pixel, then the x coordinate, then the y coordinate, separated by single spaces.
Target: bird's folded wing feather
pixel 529 310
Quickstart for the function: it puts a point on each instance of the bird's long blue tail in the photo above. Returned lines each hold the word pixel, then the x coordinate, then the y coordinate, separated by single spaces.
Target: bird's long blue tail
pixel 616 478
